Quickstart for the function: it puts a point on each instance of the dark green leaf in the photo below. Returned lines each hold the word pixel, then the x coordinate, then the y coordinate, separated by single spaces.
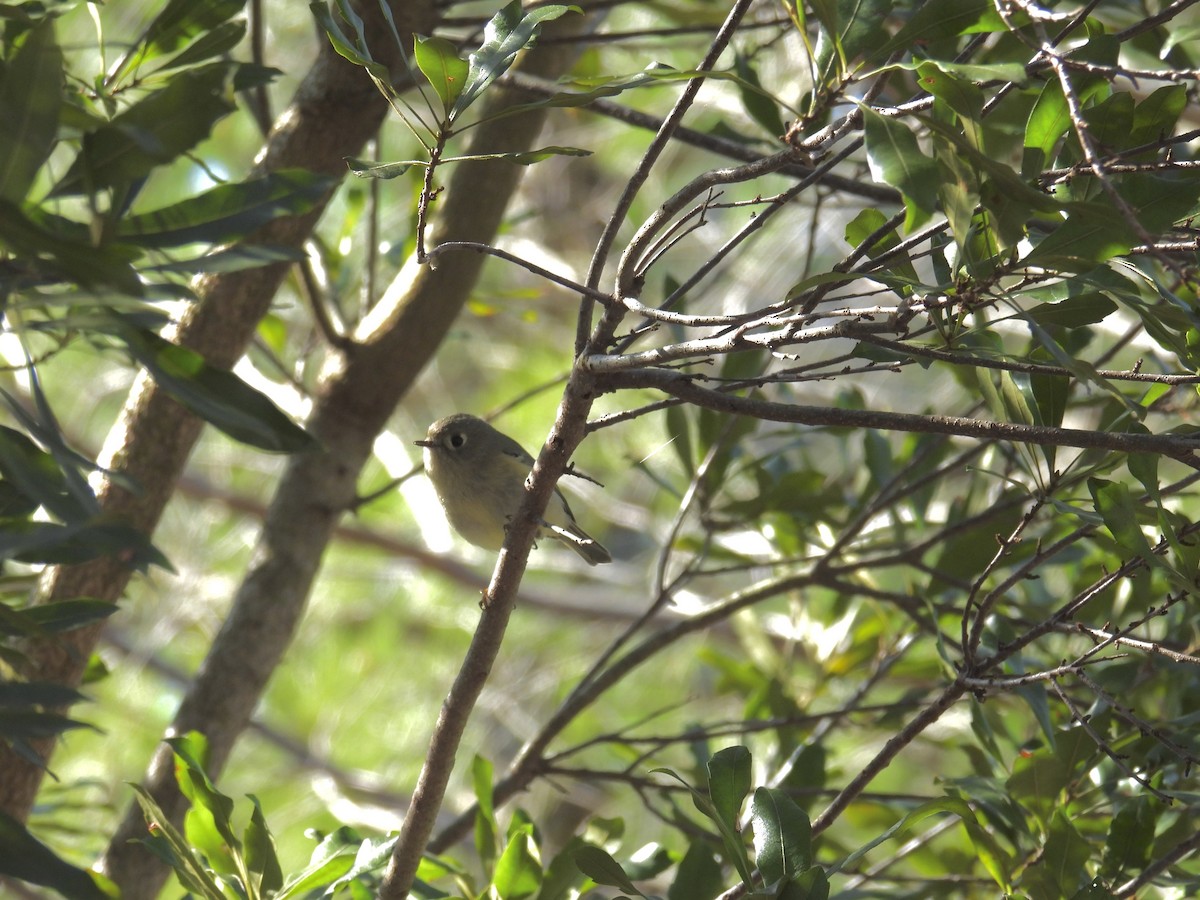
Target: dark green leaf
pixel 228 259
pixel 227 213
pixel 699 875
pixel 37 693
pixel 599 866
pixel 213 43
pixel 1156 116
pixel 66 258
pixel 25 857
pixel 63 615
pixel 528 157
pixel 562 878
pixel 761 106
pixel 36 475
pixel 782 835
pixel 1115 504
pixel 811 884
pixel 940 19
pixel 217 396
pixel 53 544
pixel 30 98
pixel 1130 837
pixel 30 725
pixel 178 23
pixel 869 225
pixel 156 130
pixel 1050 395
pixel 1075 311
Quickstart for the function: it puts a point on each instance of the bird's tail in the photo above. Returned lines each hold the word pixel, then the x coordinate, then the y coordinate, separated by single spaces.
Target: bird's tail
pixel 582 543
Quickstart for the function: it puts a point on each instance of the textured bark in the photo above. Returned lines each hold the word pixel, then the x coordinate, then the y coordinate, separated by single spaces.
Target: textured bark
pixel 335 111
pixel 358 394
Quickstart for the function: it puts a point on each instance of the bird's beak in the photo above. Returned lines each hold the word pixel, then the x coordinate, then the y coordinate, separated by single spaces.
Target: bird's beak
pixel 423 443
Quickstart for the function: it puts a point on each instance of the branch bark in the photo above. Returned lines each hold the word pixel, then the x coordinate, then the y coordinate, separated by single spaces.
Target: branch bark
pixel 684 387
pixel 361 388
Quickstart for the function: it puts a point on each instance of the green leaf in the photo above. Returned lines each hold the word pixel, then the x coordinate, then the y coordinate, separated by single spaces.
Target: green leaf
pixel 1115 504
pixel 527 157
pixel 897 160
pixel 216 395
pixel 991 855
pixel 156 130
pixel 599 866
pixel 758 103
pixel 30 99
pixel 782 835
pixel 190 753
pixel 332 858
pixel 519 869
pixel 485 814
pixel 1005 180
pixel 63 615
pixel 562 878
pixel 213 43
pixel 1048 121
pixel 167 843
pixel 1157 114
pixel 866 226
pixel 438 61
pixel 1039 778
pixel 261 858
pixel 679 435
pixel 369 169
pixel 1093 233
pixel 729 783
pixel 507 33
pixel 811 884
pixel 960 95
pixel 939 19
pixel 24 857
pixel 338 39
pixel 1067 854
pixel 227 213
pixel 36 475
pixel 699 875
pixel 1050 395
pixel 1130 837
pixel 1074 311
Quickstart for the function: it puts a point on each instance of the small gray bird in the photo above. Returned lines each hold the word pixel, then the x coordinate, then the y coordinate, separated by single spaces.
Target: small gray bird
pixel 479 475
